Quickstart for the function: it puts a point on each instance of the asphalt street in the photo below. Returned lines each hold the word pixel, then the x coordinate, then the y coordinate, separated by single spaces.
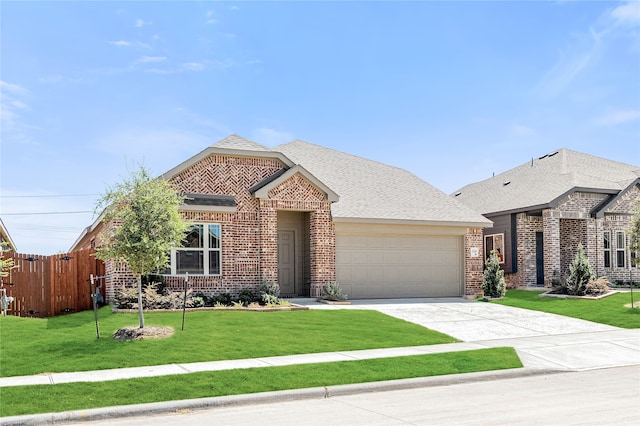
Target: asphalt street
pixel 595 397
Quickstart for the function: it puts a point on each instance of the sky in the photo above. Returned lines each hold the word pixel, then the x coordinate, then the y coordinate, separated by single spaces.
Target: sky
pixel 451 91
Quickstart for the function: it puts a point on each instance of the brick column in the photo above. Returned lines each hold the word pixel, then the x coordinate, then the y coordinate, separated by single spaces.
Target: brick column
pixel 268 218
pixel 322 250
pixel 473 264
pixel 551 229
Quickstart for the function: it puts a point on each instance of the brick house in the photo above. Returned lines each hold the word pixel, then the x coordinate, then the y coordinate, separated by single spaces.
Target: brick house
pixel 5 238
pixel 303 215
pixel 542 209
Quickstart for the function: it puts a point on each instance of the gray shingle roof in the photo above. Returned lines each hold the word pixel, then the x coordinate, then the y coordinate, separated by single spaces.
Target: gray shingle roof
pixel 238 142
pixel 543 180
pixel 373 190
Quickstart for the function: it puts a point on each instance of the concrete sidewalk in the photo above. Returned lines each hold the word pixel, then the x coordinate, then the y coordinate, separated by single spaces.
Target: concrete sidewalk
pixel 542 340
pixel 546 343
pixel 612 347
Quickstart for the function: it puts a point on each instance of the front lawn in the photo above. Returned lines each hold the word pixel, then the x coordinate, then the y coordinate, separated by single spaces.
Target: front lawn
pixel 77 396
pixel 609 310
pixel 68 343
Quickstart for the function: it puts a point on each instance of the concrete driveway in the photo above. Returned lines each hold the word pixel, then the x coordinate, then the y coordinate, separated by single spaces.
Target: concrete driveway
pixel 542 340
pixel 472 321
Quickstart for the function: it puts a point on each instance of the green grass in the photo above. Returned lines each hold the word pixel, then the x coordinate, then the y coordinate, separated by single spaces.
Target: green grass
pixel 609 310
pixel 68 343
pixel 77 396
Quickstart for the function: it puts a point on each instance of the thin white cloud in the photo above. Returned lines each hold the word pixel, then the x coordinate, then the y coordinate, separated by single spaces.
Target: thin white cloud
pixel 627 14
pixel 193 66
pixel 158 147
pixel 573 60
pixel 618 117
pixel 584 50
pixel 13 123
pixel 120 43
pixel 521 130
pixel 210 17
pixel 141 23
pixel 125 43
pixel 19 105
pixel 14 89
pixel 271 137
pixel 151 59
pixel 51 79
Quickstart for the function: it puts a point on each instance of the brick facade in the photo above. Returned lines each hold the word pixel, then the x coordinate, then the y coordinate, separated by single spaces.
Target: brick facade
pixel 473 264
pixel 565 226
pixel 249 231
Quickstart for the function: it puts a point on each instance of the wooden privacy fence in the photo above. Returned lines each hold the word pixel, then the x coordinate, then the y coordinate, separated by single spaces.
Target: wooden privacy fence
pixel 44 286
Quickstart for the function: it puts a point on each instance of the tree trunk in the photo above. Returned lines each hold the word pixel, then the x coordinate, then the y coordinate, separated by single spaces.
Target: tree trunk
pixel 140 301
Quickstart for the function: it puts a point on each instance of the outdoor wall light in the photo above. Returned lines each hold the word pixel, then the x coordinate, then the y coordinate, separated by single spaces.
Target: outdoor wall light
pixel 66 258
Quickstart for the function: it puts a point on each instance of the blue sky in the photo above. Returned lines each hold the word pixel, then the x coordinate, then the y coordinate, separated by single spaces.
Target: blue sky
pixel 451 91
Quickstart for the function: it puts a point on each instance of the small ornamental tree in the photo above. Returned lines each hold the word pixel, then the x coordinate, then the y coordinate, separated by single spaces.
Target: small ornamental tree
pixel 493 283
pixel 142 223
pixel 580 273
pixel 634 237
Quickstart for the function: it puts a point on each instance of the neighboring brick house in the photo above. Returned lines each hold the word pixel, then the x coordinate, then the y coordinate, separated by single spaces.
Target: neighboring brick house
pixel 5 238
pixel 542 209
pixel 303 215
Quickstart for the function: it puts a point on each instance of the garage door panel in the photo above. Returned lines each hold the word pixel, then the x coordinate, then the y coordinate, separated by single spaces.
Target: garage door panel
pixel 370 266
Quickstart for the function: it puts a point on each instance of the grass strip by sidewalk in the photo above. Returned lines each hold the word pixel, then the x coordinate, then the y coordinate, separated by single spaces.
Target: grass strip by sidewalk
pixel 68 343
pixel 610 310
pixel 77 396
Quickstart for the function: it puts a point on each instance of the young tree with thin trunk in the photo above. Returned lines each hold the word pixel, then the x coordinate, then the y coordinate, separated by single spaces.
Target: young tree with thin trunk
pixel 142 223
pixel 634 236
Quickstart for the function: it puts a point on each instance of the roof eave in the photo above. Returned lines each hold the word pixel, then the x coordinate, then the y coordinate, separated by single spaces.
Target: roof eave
pixel 212 150
pixel 598 211
pixel 461 224
pixel 263 190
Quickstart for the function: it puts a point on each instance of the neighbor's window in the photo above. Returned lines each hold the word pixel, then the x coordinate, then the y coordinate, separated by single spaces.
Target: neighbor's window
pixel 494 242
pixel 620 249
pixel 607 249
pixel 200 253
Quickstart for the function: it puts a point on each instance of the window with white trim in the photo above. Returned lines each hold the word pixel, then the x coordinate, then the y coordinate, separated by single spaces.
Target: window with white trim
pixel 607 249
pixel 620 249
pixel 494 242
pixel 200 253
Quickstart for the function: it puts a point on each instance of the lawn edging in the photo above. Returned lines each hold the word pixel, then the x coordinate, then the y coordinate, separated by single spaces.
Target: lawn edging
pixel 550 293
pixel 293 307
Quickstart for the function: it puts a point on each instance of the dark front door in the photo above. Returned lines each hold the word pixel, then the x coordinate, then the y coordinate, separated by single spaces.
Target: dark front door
pixel 539 258
pixel 287 263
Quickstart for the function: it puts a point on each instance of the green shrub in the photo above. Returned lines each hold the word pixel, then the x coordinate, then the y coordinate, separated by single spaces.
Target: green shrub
pixel 269 293
pixel 580 273
pixel 223 299
pixel 493 284
pixel 332 291
pixel 246 296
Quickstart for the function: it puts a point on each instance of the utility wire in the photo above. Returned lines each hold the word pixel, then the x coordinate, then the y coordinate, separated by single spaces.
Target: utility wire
pixel 32 213
pixel 48 196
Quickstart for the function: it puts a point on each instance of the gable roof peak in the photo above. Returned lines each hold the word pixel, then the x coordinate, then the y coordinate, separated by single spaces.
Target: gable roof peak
pixel 235 141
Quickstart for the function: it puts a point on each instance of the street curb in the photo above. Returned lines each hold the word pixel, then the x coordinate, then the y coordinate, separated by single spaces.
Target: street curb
pixel 167 407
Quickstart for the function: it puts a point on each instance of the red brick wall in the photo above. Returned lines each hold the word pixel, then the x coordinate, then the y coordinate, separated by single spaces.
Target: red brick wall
pixel 567 225
pixel 473 266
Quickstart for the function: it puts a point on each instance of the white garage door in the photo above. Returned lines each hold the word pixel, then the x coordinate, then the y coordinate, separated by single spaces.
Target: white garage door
pixel 384 265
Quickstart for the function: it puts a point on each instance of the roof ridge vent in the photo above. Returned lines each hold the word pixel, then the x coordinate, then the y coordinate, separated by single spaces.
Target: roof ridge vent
pixel 544 156
pixel 552 154
pixel 505 183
